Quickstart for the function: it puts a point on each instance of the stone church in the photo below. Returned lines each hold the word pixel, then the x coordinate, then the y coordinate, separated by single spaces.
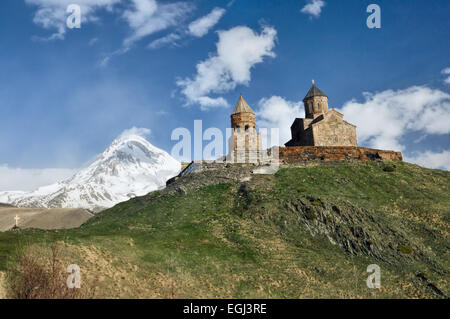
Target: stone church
pixel 321 126
pixel 322 136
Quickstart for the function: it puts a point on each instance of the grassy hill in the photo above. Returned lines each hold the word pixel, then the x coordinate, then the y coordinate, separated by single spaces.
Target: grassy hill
pixel 301 233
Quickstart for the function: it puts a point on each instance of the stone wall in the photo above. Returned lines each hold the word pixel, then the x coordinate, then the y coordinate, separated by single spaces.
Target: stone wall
pixel 334 132
pixel 303 154
pixel 243 119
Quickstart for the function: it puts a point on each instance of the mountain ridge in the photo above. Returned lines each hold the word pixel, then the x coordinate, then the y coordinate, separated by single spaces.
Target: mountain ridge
pixel 131 166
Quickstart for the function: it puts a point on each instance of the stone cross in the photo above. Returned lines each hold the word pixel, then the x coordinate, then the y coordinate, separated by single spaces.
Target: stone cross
pixel 17 220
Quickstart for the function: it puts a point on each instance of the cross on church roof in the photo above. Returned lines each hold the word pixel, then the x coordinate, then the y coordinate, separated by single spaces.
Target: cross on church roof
pixel 314 91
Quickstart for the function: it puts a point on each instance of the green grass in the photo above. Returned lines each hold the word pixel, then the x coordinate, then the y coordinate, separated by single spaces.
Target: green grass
pixel 271 236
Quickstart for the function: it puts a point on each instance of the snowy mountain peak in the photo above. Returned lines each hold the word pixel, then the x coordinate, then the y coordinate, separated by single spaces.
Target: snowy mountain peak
pixel 129 167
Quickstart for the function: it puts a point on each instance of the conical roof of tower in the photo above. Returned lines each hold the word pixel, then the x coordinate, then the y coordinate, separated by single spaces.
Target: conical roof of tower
pixel 242 107
pixel 314 91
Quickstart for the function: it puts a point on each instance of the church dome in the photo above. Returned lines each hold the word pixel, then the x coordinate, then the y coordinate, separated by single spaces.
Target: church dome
pixel 314 91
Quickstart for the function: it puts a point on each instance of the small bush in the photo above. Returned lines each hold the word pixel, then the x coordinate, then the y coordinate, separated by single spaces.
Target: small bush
pixel 405 249
pixel 389 168
pixel 316 203
pixel 310 214
pixel 35 275
pixel 302 190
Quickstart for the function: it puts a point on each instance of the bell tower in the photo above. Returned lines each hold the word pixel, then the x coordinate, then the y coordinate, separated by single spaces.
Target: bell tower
pixel 245 141
pixel 316 102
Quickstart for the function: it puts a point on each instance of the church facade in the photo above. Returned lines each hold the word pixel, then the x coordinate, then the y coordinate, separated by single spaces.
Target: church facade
pixel 321 126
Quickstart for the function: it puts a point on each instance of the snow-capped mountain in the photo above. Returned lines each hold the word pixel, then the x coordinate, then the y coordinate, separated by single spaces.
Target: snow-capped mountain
pixel 130 167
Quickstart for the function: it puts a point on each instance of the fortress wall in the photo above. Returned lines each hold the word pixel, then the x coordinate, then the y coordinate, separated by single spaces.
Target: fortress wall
pixel 302 154
pixel 294 155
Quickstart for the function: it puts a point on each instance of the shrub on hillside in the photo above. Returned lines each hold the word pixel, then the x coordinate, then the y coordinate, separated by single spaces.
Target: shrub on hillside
pixel 389 168
pixel 405 249
pixel 37 275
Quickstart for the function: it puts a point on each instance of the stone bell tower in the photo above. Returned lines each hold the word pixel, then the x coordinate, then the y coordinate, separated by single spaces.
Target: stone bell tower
pixel 245 141
pixel 316 102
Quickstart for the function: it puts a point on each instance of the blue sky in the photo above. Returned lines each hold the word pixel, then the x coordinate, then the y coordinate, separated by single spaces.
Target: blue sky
pixel 65 94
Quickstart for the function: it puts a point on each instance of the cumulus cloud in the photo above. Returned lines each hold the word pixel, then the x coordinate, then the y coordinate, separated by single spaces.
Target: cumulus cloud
pixel 238 50
pixel 24 179
pixel 51 14
pixel 384 118
pixel 201 26
pixel 430 159
pixel 147 17
pixel 313 8
pixel 277 112
pixel 446 72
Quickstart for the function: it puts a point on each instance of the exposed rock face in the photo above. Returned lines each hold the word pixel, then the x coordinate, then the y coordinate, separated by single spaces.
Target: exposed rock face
pixel 209 174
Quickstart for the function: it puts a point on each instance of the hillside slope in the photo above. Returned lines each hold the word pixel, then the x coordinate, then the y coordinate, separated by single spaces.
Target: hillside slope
pixel 301 233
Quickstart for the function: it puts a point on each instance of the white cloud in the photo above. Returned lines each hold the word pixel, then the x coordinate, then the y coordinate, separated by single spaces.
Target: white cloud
pixel 201 26
pixel 24 179
pixel 446 72
pixel 384 118
pixel 170 39
pixel 313 8
pixel 238 50
pixel 93 41
pixel 139 131
pixel 51 14
pixel 148 17
pixel 430 159
pixel 276 112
